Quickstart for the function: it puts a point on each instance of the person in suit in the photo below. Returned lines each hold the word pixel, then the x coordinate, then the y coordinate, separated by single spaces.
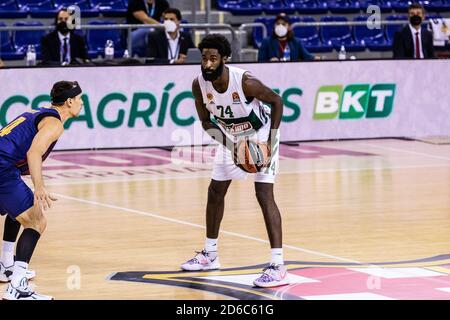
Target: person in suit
pixel 143 12
pixel 282 44
pixel 170 45
pixel 62 46
pixel 412 41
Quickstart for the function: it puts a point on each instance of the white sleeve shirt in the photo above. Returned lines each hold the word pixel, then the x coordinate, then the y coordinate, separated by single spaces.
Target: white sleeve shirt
pixel 174 47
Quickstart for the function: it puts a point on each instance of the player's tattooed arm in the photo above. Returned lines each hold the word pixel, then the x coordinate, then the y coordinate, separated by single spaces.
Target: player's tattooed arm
pixel 254 88
pixel 49 130
pixel 204 116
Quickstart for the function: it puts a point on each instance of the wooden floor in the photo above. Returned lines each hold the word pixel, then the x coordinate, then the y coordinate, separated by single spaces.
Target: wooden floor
pixel 346 203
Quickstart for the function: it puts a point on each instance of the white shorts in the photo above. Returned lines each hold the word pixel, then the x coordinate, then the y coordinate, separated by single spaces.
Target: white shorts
pixel 224 168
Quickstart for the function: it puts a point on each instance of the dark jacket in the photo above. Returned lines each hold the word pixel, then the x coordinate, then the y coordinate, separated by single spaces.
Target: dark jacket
pixel 139 5
pixel 51 48
pixel 403 45
pixel 270 48
pixel 158 45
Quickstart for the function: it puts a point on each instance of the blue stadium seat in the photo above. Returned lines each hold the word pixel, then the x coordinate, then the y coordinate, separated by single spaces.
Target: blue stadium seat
pixel 401 5
pixel 240 7
pixel 289 6
pixel 310 36
pixel 438 5
pixel 22 39
pixel 308 6
pixel 344 6
pixel 184 21
pixel 385 5
pixel 374 39
pixel 432 5
pixel 80 32
pixel 432 16
pixel 10 10
pixel 446 5
pixel 270 22
pixel 274 6
pixel 140 43
pixel 257 33
pixel 7 50
pixel 391 29
pixel 110 8
pixel 339 35
pixel 86 10
pixel 96 39
pixel 39 8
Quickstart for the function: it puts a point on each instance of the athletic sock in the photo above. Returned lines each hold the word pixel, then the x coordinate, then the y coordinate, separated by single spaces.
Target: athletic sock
pixel 211 247
pixel 7 258
pixel 19 272
pixel 276 256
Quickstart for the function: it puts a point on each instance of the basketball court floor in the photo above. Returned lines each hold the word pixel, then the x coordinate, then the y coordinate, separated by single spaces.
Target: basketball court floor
pixel 362 219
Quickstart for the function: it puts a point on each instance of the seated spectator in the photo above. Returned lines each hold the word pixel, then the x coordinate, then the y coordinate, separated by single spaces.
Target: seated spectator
pixel 171 44
pixel 1 63
pixel 63 46
pixel 412 41
pixel 144 12
pixel 282 44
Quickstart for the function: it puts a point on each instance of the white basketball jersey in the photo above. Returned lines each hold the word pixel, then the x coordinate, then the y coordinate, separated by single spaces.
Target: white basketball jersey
pixel 230 109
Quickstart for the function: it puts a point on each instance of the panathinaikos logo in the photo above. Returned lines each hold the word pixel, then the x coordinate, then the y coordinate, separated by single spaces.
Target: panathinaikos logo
pixel 354 101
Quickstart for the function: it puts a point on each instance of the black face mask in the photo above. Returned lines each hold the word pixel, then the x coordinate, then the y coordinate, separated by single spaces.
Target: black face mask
pixel 62 27
pixel 415 20
pixel 212 75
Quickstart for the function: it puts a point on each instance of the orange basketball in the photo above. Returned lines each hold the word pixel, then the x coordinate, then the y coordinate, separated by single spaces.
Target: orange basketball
pixel 250 156
pixel 265 151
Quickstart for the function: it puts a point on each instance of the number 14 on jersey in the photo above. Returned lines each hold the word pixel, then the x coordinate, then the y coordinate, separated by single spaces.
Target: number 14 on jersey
pixel 227 111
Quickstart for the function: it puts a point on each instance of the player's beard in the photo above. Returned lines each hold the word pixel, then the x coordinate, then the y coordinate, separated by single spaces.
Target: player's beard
pixel 213 74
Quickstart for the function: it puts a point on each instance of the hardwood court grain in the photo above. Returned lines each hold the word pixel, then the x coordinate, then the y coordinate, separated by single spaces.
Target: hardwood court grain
pixel 349 201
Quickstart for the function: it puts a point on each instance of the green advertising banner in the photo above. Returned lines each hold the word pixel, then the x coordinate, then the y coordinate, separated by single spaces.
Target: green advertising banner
pixel 143 106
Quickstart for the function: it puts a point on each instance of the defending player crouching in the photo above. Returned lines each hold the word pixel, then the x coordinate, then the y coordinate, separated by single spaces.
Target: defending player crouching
pixel 24 144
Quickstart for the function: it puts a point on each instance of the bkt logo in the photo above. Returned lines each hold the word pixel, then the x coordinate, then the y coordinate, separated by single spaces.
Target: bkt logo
pixel 354 101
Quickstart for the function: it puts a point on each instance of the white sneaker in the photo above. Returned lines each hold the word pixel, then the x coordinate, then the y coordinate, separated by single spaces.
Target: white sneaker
pixel 6 273
pixel 273 276
pixel 23 292
pixel 201 261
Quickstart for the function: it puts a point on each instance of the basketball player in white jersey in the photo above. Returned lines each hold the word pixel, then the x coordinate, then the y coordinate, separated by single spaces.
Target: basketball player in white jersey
pixel 234 97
